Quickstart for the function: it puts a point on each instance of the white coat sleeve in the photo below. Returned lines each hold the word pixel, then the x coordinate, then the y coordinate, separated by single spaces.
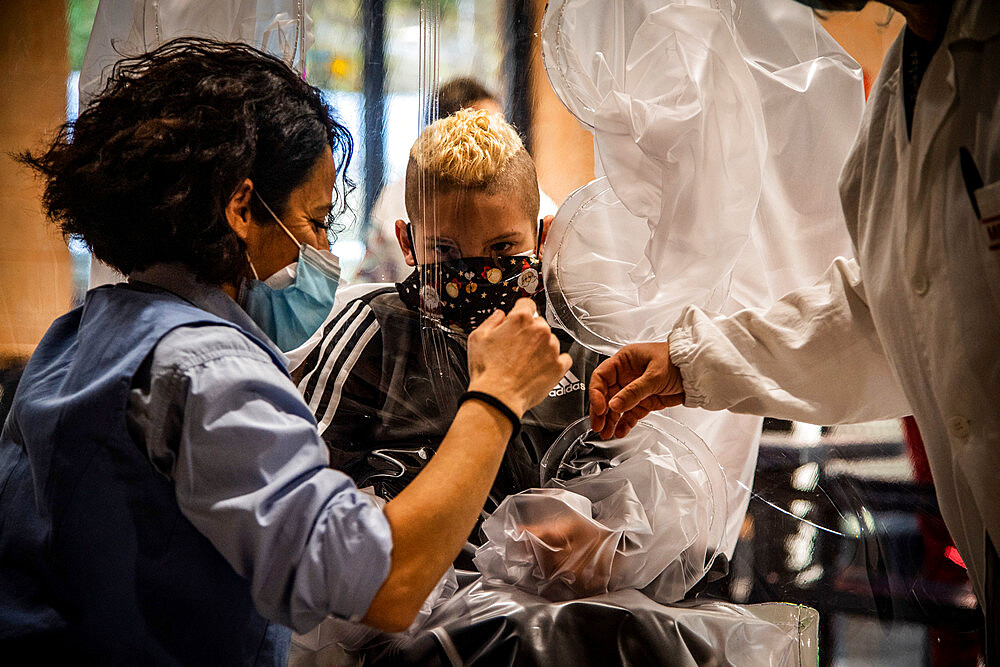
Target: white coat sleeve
pixel 814 356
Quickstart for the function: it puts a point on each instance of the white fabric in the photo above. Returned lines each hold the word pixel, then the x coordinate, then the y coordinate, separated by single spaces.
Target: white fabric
pixel 914 324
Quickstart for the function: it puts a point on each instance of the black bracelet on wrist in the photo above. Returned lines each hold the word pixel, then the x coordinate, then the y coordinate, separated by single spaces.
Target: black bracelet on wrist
pixel 515 421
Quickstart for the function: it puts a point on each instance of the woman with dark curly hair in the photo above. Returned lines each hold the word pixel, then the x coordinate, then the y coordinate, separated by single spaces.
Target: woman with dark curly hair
pixel 164 494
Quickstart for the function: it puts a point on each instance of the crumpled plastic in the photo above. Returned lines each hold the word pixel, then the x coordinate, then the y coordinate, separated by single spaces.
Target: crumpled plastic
pixel 126 28
pixel 647 511
pixel 720 128
pixel 502 625
pixel 679 135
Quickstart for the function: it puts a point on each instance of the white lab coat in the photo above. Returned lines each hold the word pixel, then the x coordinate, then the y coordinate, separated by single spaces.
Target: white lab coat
pixel 913 325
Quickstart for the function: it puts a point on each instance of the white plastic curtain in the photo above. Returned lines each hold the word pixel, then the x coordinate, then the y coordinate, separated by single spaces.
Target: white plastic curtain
pixel 124 28
pixel 719 129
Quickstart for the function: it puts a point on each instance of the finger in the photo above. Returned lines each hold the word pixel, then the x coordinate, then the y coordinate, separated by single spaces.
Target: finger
pixel 607 372
pixel 598 404
pixel 524 307
pixel 634 392
pixel 565 361
pixel 495 319
pixel 610 416
pixel 610 423
pixel 628 421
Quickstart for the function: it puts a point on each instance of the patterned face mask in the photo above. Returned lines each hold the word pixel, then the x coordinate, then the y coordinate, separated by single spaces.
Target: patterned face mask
pixel 462 293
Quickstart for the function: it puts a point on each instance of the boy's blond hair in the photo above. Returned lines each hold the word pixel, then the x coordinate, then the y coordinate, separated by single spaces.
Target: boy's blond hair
pixel 474 150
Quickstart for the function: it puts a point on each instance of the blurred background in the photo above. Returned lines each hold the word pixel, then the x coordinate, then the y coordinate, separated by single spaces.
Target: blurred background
pixel 843 519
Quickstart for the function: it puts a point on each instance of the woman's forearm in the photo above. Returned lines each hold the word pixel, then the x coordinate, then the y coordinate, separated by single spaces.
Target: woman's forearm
pixel 432 517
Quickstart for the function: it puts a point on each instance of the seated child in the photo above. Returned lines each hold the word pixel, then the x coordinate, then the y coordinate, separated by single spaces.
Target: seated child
pixel 384 381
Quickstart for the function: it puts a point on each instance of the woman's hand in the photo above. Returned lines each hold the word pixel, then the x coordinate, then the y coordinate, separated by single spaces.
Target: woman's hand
pixel 637 380
pixel 515 357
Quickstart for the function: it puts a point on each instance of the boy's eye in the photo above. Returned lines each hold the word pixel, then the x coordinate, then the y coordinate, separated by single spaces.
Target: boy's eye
pixel 445 251
pixel 502 248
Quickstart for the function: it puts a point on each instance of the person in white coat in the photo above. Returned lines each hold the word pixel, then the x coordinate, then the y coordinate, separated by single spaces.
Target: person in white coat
pixel 913 324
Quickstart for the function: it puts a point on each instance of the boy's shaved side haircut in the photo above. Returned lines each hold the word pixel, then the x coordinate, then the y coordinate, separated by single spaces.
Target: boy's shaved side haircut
pixel 473 150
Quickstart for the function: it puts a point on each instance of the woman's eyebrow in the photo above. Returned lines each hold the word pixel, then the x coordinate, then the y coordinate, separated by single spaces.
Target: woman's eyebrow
pixel 322 210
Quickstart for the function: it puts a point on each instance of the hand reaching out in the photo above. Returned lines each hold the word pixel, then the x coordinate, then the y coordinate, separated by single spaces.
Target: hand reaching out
pixel 637 380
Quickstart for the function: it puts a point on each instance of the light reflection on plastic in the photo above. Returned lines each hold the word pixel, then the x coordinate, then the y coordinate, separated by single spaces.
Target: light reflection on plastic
pixel 851 526
pixel 782 510
pixel 805 477
pixel 806 434
pixel 868 520
pixel 809 576
pixel 801 508
pixel 800 547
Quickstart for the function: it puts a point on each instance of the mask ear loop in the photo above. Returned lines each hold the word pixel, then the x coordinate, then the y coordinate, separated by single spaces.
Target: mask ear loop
pixel 409 237
pixel 297 243
pixel 538 238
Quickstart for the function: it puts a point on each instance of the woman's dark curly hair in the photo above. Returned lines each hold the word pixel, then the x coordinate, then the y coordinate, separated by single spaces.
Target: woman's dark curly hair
pixel 146 171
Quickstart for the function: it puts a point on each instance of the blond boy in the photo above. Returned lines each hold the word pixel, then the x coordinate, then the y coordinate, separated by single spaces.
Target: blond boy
pixel 383 383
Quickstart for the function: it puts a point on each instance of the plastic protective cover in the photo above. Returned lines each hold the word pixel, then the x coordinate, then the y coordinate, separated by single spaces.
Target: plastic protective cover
pixel 486 625
pixel 712 146
pixel 646 511
pixel 131 27
pixel 720 130
pixel 124 28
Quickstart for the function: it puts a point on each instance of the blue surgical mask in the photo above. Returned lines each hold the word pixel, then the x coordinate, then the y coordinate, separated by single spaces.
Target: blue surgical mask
pixel 292 305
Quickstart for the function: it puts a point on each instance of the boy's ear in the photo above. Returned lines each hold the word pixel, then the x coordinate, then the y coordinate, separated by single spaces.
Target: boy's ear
pixel 546 222
pixel 403 239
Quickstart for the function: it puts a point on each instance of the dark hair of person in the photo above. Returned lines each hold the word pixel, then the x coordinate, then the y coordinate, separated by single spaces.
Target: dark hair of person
pixel 459 93
pixel 144 174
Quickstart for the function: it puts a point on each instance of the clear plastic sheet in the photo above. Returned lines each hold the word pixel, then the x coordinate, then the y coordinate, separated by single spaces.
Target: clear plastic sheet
pixel 837 519
pixel 484 624
pixel 594 248
pixel 674 99
pixel 130 27
pixel 124 28
pixel 812 100
pixel 720 128
pixel 680 138
pixel 709 120
pixel 646 512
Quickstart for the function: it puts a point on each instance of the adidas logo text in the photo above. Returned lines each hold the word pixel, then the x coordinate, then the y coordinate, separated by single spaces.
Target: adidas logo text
pixel 567 384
